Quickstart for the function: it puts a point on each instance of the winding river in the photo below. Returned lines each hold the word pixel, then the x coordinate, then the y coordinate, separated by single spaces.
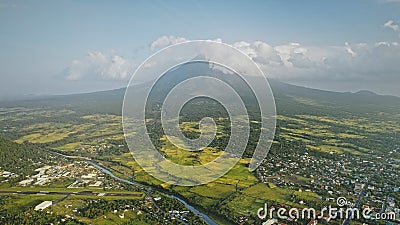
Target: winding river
pixel 206 218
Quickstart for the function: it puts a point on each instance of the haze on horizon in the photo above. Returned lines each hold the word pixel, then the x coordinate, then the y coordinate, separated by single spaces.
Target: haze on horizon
pixel 67 47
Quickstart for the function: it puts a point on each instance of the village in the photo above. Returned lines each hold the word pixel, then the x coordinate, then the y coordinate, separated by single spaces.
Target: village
pixel 337 176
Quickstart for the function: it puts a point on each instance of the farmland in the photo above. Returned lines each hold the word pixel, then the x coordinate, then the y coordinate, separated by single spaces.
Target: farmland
pixel 323 148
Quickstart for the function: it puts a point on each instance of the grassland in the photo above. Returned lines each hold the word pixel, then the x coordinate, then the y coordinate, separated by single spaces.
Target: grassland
pixel 238 191
pixel 66 206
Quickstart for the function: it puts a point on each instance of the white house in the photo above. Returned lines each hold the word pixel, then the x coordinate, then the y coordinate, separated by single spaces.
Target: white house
pixel 43 205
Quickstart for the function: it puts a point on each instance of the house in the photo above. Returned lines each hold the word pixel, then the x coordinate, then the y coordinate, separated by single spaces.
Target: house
pixel 25 182
pixel 43 205
pixel 97 184
pixel 313 222
pixel 270 222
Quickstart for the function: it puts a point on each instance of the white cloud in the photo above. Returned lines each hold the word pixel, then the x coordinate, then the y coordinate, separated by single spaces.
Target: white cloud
pixel 100 66
pixel 390 24
pixel 165 41
pixel 259 52
pixel 294 62
pixel 347 62
pixel 289 62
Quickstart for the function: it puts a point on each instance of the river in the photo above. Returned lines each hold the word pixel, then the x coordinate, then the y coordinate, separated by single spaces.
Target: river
pixel 206 218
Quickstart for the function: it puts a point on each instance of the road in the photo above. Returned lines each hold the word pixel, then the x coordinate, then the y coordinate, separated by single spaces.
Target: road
pixel 144 188
pixel 360 197
pixel 86 193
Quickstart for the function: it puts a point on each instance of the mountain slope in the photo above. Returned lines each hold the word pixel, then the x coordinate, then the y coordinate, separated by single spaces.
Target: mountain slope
pixel 290 99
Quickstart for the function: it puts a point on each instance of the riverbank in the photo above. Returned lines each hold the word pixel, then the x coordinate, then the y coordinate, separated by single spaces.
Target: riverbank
pixel 194 210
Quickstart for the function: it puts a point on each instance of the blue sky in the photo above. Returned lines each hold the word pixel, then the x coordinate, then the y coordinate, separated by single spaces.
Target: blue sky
pixel 40 41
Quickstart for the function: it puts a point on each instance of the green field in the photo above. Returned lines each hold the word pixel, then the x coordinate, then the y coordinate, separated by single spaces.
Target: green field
pixel 238 193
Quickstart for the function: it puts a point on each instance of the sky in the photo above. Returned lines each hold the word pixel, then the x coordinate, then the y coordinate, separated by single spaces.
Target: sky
pixel 61 47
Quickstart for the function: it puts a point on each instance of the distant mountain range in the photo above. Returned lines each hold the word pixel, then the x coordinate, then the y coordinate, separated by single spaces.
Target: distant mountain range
pixel 290 99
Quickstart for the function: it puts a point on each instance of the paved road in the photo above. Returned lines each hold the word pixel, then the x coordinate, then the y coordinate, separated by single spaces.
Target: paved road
pixel 360 197
pixel 86 193
pixel 144 188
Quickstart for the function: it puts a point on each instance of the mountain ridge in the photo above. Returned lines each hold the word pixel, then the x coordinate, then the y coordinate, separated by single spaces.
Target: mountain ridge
pixel 286 95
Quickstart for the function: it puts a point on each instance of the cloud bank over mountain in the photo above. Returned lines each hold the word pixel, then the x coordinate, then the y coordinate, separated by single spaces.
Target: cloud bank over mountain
pixel 100 66
pixel 292 62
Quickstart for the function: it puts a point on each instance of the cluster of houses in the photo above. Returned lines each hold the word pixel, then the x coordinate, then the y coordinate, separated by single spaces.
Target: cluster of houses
pixel 332 177
pixel 6 175
pixel 83 173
